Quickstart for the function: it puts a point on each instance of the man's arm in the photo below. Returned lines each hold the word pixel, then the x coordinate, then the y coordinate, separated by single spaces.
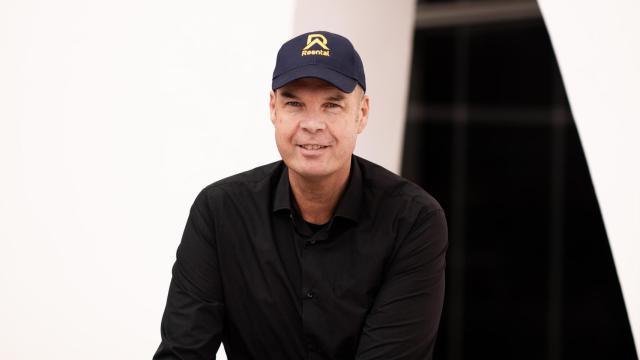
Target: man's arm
pixel 403 321
pixel 193 318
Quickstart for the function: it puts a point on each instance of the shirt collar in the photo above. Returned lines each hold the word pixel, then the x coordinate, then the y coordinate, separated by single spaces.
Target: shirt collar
pixel 349 206
pixel 281 200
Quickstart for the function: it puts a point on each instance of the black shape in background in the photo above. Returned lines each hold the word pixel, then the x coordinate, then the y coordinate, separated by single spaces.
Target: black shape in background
pixel 490 134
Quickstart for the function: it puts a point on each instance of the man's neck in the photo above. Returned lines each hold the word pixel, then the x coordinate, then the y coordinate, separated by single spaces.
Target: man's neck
pixel 317 198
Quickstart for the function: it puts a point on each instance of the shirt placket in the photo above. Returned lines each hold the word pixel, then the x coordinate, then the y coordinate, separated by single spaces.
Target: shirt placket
pixel 310 292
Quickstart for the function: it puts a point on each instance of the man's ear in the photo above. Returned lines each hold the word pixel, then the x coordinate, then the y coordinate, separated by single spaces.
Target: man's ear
pixel 272 106
pixel 363 113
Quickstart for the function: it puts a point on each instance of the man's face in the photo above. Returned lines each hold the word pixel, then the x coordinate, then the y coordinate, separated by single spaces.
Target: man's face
pixel 317 125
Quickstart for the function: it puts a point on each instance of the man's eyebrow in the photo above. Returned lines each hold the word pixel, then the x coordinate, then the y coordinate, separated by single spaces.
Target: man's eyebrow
pixel 288 94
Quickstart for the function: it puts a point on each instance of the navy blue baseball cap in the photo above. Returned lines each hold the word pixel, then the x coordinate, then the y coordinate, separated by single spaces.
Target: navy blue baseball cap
pixel 322 55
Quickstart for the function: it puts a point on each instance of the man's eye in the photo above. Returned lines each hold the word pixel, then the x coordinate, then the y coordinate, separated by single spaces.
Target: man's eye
pixel 332 105
pixel 293 103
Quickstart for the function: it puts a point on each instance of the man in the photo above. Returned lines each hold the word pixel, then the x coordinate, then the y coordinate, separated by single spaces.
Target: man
pixel 322 255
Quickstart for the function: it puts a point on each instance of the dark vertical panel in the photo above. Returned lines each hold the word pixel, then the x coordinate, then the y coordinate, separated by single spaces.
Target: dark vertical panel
pixel 459 155
pixel 490 134
pixel 557 178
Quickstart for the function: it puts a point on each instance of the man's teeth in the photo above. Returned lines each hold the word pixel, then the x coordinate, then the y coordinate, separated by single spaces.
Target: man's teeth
pixel 313 147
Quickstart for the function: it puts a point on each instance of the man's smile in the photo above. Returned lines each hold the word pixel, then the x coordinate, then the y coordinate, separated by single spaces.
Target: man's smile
pixel 313 146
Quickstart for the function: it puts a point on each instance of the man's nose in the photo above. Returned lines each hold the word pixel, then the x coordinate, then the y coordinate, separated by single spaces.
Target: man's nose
pixel 312 123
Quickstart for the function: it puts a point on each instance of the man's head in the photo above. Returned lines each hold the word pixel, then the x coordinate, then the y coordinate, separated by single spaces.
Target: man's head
pixel 318 104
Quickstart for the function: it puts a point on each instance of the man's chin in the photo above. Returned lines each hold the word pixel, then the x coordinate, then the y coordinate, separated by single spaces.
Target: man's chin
pixel 310 172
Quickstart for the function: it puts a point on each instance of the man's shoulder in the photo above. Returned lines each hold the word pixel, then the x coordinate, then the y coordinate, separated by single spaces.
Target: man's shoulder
pixel 256 175
pixel 392 187
pixel 256 180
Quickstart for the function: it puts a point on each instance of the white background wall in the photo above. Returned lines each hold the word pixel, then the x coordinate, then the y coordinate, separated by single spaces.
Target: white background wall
pixel 113 115
pixel 598 49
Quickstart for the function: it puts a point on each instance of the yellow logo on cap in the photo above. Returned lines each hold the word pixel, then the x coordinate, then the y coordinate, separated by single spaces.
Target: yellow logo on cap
pixel 316 39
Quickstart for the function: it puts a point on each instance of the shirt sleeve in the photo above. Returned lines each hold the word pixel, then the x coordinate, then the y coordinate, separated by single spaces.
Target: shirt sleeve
pixel 193 318
pixel 403 321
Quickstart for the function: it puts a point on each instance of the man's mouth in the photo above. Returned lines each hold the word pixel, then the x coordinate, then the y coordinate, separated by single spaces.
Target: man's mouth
pixel 313 146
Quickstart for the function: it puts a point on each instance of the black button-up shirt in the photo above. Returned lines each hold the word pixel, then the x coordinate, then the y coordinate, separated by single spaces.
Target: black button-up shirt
pixel 250 272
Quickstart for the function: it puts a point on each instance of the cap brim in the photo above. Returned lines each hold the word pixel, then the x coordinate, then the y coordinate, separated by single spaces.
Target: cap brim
pixel 342 82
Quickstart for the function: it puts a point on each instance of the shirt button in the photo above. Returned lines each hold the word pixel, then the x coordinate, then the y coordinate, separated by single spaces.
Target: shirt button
pixel 310 294
pixel 312 241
